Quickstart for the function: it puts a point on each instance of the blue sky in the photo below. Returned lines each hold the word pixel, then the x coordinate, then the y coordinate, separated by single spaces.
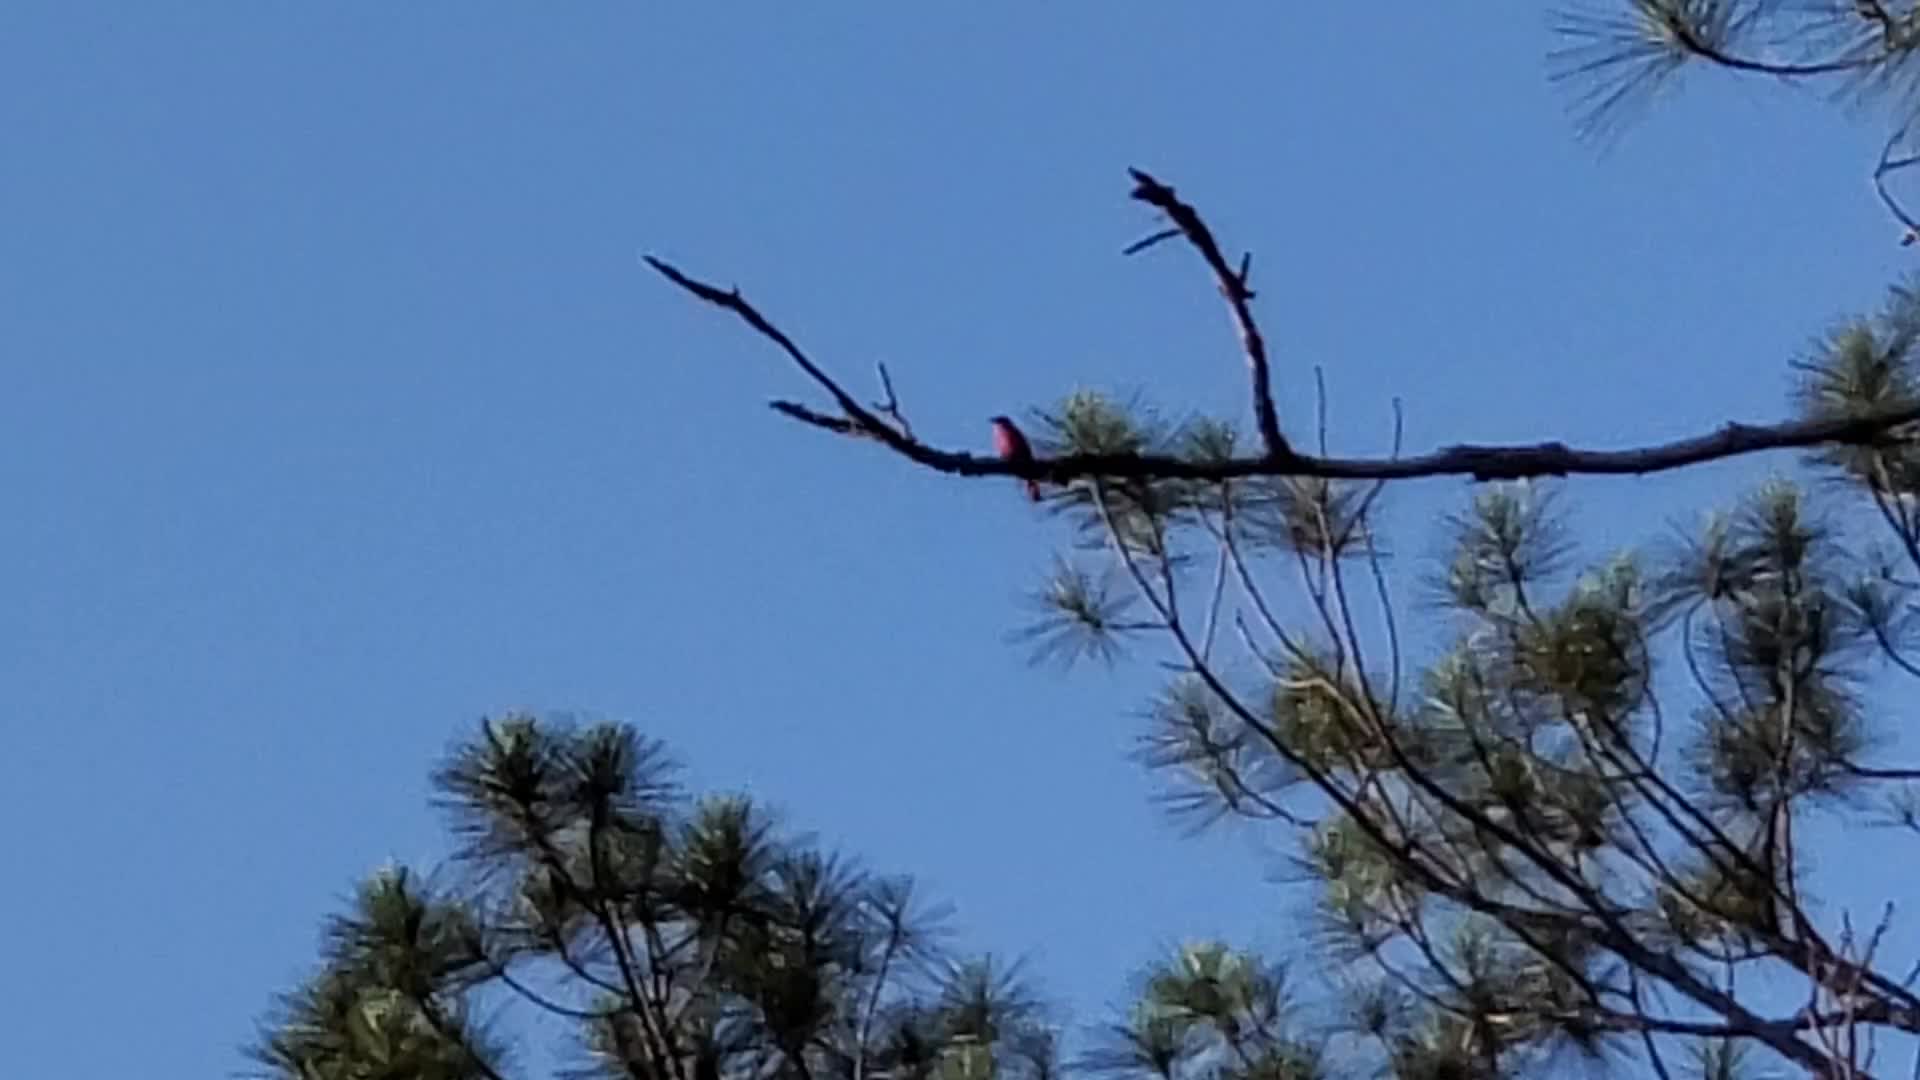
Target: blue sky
pixel 339 413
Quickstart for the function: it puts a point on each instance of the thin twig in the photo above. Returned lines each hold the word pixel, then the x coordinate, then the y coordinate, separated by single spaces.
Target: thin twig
pixel 1888 165
pixel 890 408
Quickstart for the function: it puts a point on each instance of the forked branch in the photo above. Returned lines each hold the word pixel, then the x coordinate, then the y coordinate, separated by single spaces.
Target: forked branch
pixel 1478 461
pixel 1233 286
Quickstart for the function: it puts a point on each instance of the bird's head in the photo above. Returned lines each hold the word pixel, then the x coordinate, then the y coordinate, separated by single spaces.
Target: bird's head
pixel 1000 421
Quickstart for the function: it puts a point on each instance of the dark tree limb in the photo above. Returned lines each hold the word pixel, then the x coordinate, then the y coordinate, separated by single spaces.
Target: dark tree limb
pixel 817 419
pixel 861 418
pixel 1233 286
pixel 1479 462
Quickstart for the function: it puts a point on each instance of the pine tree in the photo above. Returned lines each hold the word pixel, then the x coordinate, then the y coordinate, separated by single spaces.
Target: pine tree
pixel 1575 836
pixel 672 938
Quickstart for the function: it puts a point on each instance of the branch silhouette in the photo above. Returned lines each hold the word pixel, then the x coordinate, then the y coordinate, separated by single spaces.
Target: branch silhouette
pixel 1233 285
pixel 1478 461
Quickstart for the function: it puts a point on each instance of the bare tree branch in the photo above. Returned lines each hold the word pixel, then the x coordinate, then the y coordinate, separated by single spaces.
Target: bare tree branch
pixel 1478 461
pixel 1233 286
pixel 733 301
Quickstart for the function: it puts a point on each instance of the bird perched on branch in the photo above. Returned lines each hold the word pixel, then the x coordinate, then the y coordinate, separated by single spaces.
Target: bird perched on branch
pixel 1011 445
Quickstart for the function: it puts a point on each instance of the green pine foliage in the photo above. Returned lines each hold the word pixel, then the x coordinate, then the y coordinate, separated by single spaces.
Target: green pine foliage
pixel 1572 837
pixel 673 938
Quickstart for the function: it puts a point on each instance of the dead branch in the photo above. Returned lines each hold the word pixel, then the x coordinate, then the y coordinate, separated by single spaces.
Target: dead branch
pixel 1233 286
pixel 1477 461
pixel 865 421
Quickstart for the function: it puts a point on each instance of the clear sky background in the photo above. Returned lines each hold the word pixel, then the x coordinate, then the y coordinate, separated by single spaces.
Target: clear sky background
pixel 339 413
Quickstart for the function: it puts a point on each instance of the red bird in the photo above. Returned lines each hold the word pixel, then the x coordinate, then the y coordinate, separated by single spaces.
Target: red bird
pixel 1011 445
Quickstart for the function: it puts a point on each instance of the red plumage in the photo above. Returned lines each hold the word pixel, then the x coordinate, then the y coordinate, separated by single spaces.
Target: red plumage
pixel 1011 445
